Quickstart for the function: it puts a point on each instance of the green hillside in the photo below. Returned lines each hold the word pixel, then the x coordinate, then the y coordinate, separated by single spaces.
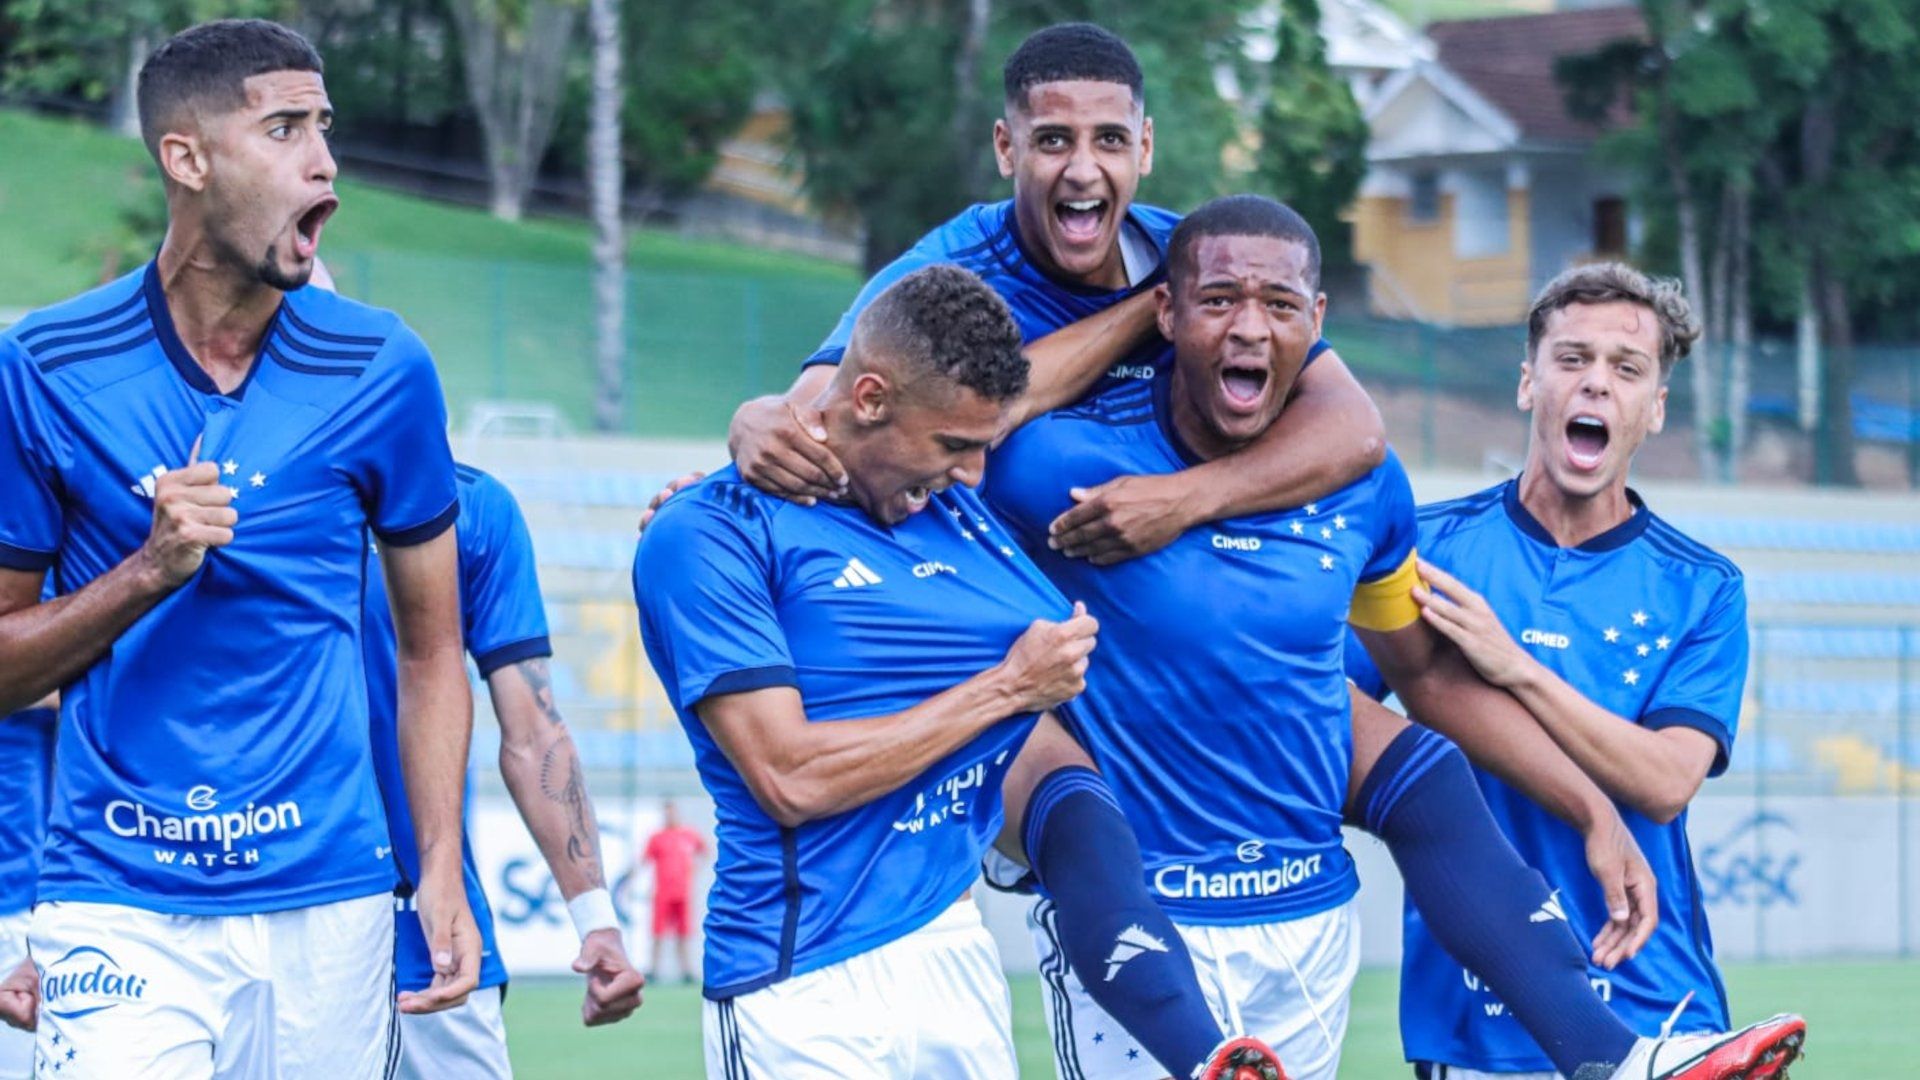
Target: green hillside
pixel 507 308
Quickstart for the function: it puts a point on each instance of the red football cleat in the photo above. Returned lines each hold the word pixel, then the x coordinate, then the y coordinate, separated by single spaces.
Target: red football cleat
pixel 1244 1058
pixel 1759 1051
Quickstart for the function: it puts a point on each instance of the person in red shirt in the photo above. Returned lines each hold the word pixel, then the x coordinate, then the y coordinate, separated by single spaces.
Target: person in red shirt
pixel 673 851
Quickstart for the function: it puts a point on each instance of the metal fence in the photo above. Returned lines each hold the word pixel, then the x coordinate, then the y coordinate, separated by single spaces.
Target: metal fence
pixel 701 341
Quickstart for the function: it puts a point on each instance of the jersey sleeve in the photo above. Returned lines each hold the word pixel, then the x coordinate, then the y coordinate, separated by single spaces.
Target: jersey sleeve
pixel 505 619
pixel 30 528
pixel 704 581
pixel 1703 686
pixel 394 446
pixel 1383 600
pixel 924 253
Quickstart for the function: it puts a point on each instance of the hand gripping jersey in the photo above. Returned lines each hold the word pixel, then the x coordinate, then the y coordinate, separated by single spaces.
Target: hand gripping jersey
pixel 217 760
pixel 1216 705
pixel 504 622
pixel 740 591
pixel 1652 627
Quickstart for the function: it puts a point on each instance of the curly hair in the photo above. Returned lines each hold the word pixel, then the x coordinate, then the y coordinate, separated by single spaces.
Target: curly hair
pixel 1610 282
pixel 942 321
pixel 1069 52
pixel 210 64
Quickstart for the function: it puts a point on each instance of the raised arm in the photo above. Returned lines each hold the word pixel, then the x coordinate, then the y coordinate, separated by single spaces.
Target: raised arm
pixel 435 725
pixel 1437 685
pixel 1655 770
pixel 800 771
pixel 1329 435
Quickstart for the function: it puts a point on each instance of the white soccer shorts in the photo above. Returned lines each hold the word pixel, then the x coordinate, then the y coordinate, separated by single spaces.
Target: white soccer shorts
pixel 929 1006
pixel 129 994
pixel 1450 1072
pixel 16 1046
pixel 1284 982
pixel 469 1042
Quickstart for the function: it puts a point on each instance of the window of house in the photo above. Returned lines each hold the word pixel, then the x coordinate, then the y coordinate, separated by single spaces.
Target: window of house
pixel 1423 205
pixel 1610 226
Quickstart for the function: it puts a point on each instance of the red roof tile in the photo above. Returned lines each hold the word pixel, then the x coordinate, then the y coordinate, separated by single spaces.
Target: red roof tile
pixel 1509 61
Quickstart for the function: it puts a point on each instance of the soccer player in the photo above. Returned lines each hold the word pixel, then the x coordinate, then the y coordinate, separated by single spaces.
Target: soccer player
pixel 1634 657
pixel 855 680
pixel 26 740
pixel 197 452
pixel 673 852
pixel 505 629
pixel 1180 705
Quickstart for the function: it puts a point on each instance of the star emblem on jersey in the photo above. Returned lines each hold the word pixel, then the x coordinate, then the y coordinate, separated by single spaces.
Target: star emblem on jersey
pixel 1611 635
pixel 1007 551
pixel 258 479
pixel 1632 677
pixel 1639 618
pixel 1662 642
pixel 229 467
pixel 856 576
pixel 1339 521
pixel 1298 529
pixel 1312 509
pixel 1132 942
pixel 1326 533
pixel 1326 562
pixel 1641 650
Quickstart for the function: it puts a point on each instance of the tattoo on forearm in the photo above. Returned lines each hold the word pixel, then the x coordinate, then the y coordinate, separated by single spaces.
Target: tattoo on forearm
pixel 562 779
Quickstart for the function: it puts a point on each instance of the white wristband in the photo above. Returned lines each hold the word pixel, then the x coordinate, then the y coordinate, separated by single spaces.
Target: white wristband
pixel 593 910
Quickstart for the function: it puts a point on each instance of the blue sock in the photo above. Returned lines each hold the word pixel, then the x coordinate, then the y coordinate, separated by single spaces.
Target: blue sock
pixel 1476 896
pixel 1122 946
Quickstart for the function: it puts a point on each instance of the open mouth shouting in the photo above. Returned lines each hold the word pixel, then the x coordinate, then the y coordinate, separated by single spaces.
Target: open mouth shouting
pixel 1244 385
pixel 306 228
pixel 1587 438
pixel 1081 221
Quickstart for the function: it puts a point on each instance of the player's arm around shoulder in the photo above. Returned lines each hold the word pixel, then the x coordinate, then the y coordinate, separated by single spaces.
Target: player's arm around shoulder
pixel 1329 435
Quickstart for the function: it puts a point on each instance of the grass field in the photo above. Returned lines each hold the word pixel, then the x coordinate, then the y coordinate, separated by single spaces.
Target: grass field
pixel 1864 1024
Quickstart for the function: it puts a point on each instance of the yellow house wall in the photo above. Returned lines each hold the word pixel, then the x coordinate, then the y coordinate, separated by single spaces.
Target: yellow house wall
pixel 1423 272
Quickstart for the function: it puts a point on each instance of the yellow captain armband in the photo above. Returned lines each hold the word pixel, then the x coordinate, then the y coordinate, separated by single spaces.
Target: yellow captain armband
pixel 1386 604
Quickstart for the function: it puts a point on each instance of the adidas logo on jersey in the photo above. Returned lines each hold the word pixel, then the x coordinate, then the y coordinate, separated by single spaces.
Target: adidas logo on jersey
pixel 145 485
pixel 1132 942
pixel 1550 910
pixel 856 576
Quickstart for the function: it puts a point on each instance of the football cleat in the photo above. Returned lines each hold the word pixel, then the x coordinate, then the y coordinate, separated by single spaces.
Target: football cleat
pixel 1759 1051
pixel 1244 1058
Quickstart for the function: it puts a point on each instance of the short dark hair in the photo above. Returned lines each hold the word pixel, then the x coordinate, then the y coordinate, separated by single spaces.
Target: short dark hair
pixel 1609 282
pixel 1241 215
pixel 209 65
pixel 1066 52
pixel 943 321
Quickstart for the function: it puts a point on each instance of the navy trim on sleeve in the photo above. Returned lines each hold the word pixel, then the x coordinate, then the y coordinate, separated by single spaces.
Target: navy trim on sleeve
pixel 19 558
pixel 494 659
pixel 830 355
pixel 759 678
pixel 1699 721
pixel 423 532
pixel 1313 354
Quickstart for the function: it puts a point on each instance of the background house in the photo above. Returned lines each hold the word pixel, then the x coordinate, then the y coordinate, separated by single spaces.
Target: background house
pixel 1480 186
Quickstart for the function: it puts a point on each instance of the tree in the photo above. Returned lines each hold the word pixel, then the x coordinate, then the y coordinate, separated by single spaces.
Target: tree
pixel 609 243
pixel 1313 138
pixel 514 55
pixel 93 49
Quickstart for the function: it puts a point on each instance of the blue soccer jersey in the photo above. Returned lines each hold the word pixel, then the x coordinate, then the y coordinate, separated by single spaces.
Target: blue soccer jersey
pixel 217 759
pixel 504 622
pixel 740 591
pixel 985 239
pixel 1651 626
pixel 1216 704
pixel 26 744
